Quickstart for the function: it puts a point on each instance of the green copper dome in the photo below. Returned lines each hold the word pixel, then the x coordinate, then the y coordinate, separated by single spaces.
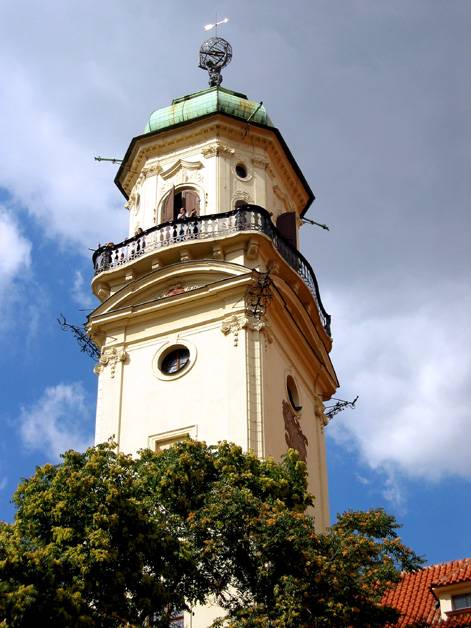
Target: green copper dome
pixel 212 100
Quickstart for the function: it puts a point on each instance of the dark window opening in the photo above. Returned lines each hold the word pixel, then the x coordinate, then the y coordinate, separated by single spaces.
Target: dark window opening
pixel 175 360
pixel 461 601
pixel 240 203
pixel 286 224
pixel 183 199
pixel 293 394
pixel 241 171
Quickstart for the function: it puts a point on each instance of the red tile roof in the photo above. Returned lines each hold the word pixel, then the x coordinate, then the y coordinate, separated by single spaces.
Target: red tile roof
pixel 413 596
pixel 459 573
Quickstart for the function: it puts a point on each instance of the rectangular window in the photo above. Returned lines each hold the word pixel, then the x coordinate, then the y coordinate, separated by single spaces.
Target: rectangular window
pixel 164 440
pixel 165 443
pixel 461 601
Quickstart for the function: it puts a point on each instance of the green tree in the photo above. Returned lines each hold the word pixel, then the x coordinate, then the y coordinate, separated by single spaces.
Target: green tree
pixel 108 540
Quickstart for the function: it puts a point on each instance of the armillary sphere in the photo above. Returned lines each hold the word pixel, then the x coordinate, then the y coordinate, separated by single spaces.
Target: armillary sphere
pixel 215 53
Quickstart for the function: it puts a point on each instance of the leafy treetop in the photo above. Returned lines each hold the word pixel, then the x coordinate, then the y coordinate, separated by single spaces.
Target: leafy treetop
pixel 108 540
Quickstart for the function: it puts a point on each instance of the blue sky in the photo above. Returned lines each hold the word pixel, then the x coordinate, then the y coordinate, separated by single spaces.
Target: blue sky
pixel 373 99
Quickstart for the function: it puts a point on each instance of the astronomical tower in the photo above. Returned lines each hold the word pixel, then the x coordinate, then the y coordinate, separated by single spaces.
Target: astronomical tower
pixel 211 324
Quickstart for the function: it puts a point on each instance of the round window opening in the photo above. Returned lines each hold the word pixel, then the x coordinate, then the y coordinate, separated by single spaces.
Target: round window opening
pixel 293 394
pixel 174 360
pixel 241 171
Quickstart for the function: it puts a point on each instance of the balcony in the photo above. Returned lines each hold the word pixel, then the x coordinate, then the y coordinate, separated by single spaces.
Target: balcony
pixel 244 219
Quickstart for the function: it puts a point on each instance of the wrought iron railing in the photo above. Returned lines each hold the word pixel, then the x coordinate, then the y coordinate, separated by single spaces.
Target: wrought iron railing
pixel 248 218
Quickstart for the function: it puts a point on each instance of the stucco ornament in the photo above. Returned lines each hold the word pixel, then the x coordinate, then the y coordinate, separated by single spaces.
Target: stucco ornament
pixel 110 357
pixel 234 324
pixel 152 170
pixel 177 288
pixel 319 412
pixel 181 166
pixel 262 326
pixel 133 201
pixel 294 436
pixel 216 149
pixel 102 291
pixel 135 196
pixel 241 195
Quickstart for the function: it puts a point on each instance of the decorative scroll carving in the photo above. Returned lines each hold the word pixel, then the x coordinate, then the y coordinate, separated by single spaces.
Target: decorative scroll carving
pixel 234 324
pixel 252 249
pixel 216 149
pixel 263 327
pixel 180 164
pixel 151 170
pixel 294 436
pixel 133 200
pixel 135 197
pixel 240 195
pixel 103 291
pixel 319 412
pixel 110 357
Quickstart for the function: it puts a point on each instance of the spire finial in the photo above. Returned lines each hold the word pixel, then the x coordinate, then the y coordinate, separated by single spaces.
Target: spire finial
pixel 215 53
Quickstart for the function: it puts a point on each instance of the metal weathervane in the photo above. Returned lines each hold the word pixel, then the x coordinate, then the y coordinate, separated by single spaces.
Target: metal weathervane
pixel 215 54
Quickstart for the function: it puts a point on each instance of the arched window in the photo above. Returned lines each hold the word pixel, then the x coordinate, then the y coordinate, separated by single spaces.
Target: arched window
pixel 187 198
pixel 293 394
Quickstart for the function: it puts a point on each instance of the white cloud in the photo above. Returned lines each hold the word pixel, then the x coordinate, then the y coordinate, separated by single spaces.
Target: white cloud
pixel 15 262
pixel 362 480
pixel 15 250
pixel 23 300
pixel 81 291
pixel 412 372
pixel 393 490
pixel 58 182
pixel 56 421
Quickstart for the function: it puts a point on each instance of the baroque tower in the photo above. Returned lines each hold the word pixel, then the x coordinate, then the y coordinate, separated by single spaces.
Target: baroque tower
pixel 211 324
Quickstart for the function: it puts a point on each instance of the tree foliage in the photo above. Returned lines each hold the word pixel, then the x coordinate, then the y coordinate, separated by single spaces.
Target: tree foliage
pixel 107 540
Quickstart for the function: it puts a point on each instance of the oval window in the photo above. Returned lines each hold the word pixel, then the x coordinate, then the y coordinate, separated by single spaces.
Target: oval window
pixel 293 394
pixel 241 171
pixel 174 360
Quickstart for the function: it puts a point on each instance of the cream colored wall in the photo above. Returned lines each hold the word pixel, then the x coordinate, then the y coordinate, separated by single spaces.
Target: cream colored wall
pixel 214 178
pixel 237 385
pixel 134 404
pixel 152 406
pixel 278 363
